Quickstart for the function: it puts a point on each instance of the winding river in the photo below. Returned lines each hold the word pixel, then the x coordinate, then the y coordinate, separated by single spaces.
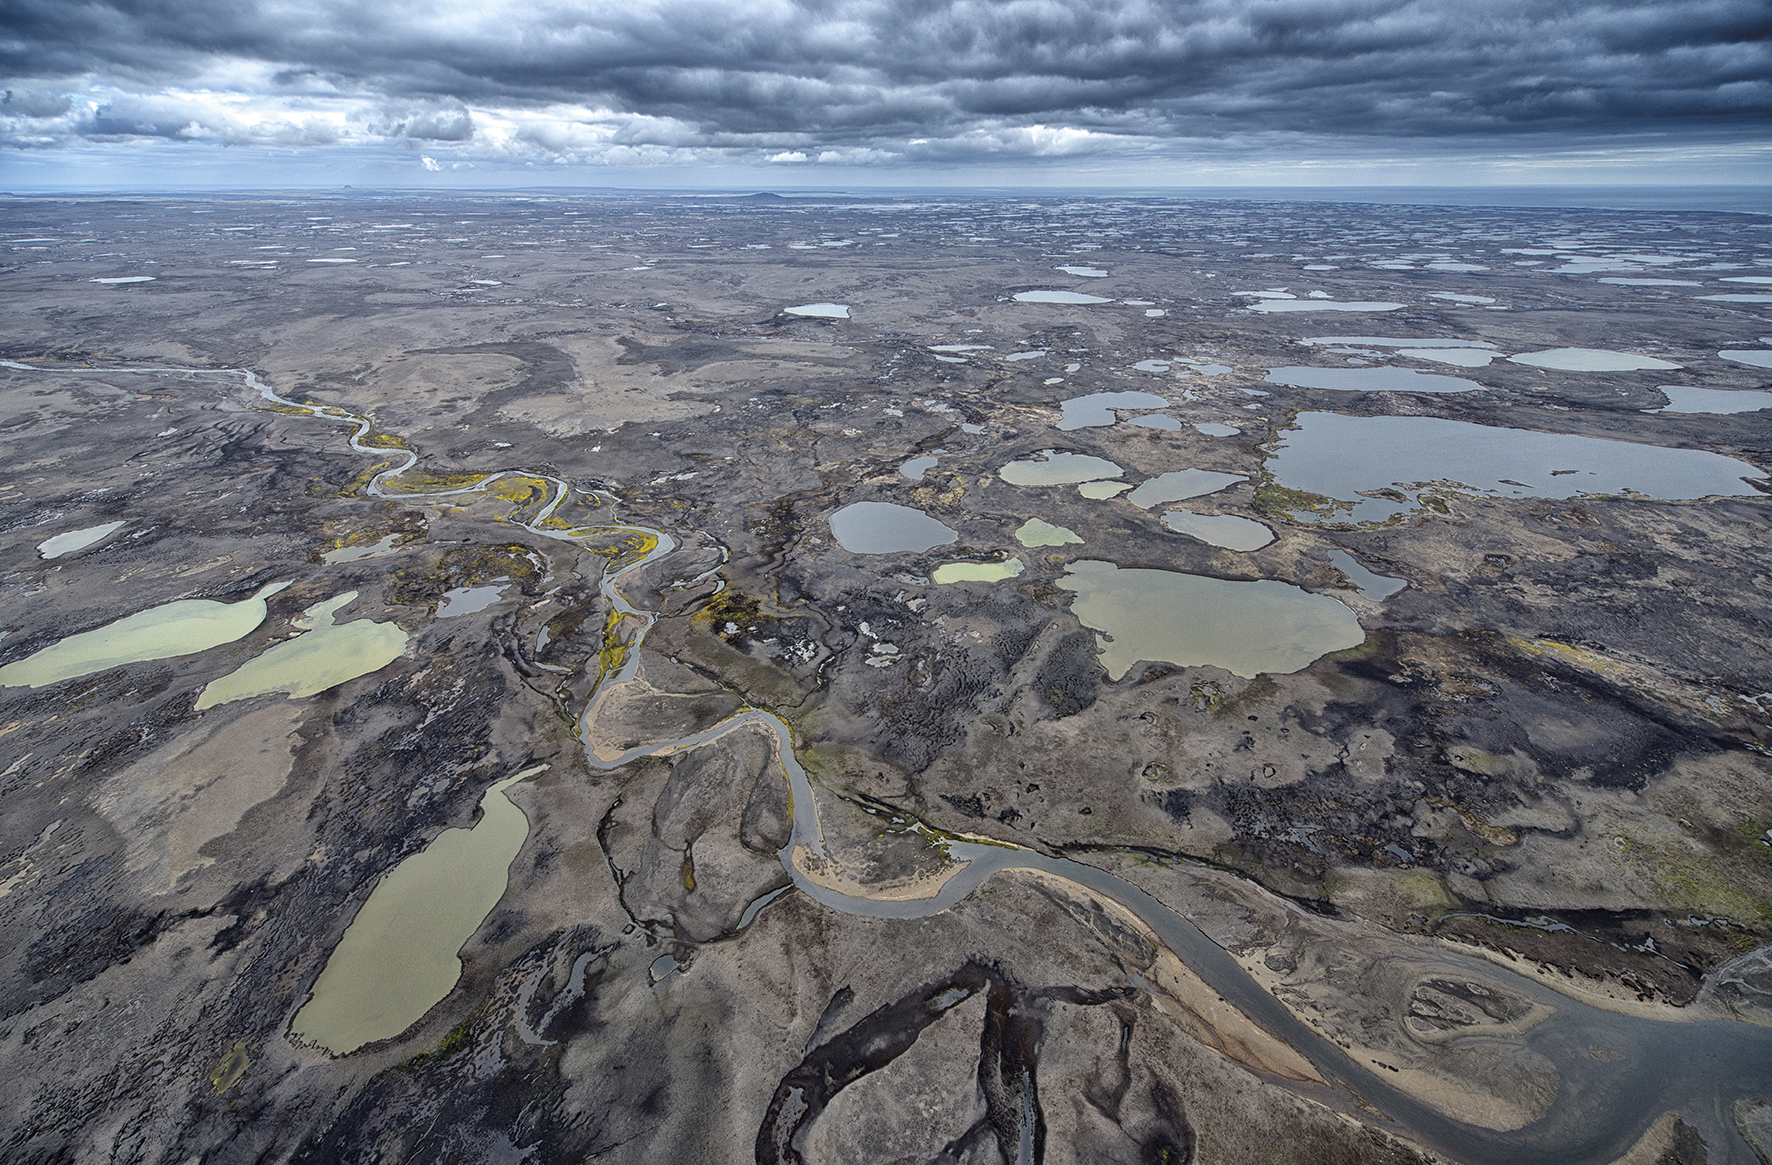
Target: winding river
pixel 1698 1068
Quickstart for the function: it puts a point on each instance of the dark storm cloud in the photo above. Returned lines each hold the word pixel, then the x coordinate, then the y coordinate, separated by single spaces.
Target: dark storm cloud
pixel 874 73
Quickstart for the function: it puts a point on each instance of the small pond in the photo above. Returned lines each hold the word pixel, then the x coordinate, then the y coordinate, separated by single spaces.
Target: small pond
pixel 1369 380
pixel 1341 457
pixel 886 528
pixel 1223 530
pixel 1191 620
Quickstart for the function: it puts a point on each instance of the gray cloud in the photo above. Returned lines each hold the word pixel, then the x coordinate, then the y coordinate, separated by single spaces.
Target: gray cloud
pixel 26 103
pixel 902 78
pixel 447 122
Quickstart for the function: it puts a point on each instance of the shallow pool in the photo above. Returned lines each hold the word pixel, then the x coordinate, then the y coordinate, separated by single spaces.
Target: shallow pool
pixel 954 572
pixel 1457 357
pixel 1243 627
pixel 822 311
pixel 327 655
pixel 1058 469
pixel 1686 399
pixel 468 600
pixel 1370 585
pixel 164 632
pixel 1590 360
pixel 1223 530
pixel 1369 379
pixel 1180 484
pixel 886 528
pixel 75 540
pixel 398 957
pixel 916 467
pixel 1097 409
pixel 1341 457
pixel 1281 305
pixel 1035 532
pixel 1396 342
pixel 1057 297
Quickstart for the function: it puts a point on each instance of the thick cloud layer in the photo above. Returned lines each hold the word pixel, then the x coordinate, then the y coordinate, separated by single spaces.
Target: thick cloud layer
pixel 879 81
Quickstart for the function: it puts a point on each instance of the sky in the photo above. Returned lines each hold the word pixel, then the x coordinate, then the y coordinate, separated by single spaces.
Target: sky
pixel 777 94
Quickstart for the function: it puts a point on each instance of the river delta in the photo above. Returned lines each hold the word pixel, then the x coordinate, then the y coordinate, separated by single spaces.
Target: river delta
pixel 890 679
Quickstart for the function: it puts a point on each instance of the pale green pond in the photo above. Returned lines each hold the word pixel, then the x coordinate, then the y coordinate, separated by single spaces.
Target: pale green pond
pixel 325 656
pixel 75 540
pixel 173 629
pixel 398 957
pixel 953 572
pixel 1034 532
pixel 1243 627
pixel 1102 490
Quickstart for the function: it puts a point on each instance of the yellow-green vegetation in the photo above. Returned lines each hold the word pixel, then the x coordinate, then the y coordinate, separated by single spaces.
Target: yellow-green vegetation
pixel 635 546
pixel 419 481
pixel 614 652
pixel 462 566
pixel 454 1041
pixel 1278 501
pixel 231 1070
pixel 354 487
pixel 383 441
pixel 729 606
pixel 520 490
pixel 1262 687
pixel 1719 886
pixel 935 496
pixel 832 763
pixel 577 510
pixel 1564 653
pixel 1426 893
